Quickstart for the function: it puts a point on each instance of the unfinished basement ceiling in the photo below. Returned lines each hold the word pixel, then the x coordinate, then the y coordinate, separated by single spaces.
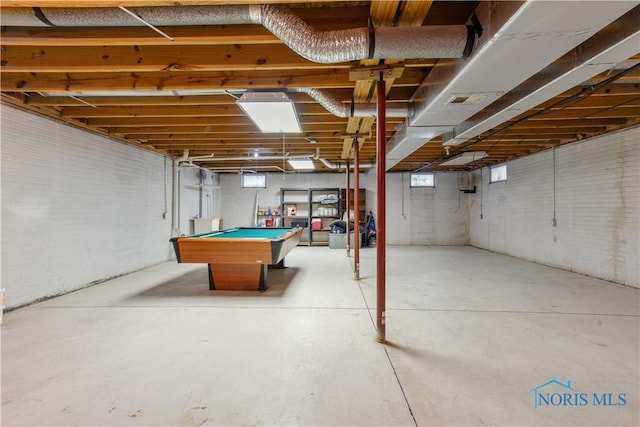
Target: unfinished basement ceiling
pixel 534 79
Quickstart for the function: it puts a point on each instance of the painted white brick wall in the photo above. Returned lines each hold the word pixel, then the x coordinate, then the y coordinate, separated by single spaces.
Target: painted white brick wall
pixel 429 217
pixel 199 197
pixel 76 207
pixel 238 204
pixel 426 216
pixel 597 205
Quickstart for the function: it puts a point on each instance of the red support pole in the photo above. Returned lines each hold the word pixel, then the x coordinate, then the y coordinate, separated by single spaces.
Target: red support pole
pixel 381 206
pixel 348 196
pixel 356 210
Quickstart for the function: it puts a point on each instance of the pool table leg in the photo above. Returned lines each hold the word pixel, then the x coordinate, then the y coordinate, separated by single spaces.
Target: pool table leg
pixel 246 277
pixel 212 286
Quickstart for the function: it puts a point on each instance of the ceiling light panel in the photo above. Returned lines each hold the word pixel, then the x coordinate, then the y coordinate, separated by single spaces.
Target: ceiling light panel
pixel 272 112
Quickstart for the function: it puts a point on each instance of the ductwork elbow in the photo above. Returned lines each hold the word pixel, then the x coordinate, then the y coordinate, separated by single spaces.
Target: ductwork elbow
pixel 339 109
pixel 317 46
pixel 329 101
pixel 445 41
pixel 183 158
pixel 329 164
pixel 332 165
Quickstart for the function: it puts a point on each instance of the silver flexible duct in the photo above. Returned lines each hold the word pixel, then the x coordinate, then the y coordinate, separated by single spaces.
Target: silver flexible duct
pixel 329 101
pixel 339 109
pixel 114 17
pixel 451 41
pixel 443 41
pixel 317 46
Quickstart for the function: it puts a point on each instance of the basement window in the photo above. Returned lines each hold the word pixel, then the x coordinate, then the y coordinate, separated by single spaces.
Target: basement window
pixel 498 173
pixel 423 179
pixel 254 180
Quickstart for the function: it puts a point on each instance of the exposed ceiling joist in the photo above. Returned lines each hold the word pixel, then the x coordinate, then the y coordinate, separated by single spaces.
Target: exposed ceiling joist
pixel 66 73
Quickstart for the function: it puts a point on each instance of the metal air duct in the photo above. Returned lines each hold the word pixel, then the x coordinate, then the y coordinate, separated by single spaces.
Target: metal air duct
pixel 332 165
pixel 603 52
pixel 448 41
pixel 519 40
pixel 339 109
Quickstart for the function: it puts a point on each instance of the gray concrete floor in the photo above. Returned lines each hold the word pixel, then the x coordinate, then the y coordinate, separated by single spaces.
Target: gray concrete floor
pixel 470 335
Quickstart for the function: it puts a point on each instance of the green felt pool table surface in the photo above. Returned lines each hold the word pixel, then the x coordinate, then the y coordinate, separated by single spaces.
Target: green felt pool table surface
pixel 246 233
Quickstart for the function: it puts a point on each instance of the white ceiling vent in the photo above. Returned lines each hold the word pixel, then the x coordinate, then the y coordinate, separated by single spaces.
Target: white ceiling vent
pixel 470 98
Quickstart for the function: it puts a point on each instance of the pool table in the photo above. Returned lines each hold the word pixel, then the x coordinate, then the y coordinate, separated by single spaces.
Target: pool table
pixel 238 258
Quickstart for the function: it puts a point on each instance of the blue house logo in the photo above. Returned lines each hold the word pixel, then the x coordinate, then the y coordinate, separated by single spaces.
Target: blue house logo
pixel 541 397
pixel 556 393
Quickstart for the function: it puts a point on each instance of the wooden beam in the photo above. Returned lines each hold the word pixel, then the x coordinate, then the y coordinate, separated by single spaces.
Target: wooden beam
pixel 254 135
pixel 61 82
pixel 133 3
pixel 383 13
pixel 591 113
pixel 232 57
pixel 315 130
pixel 331 78
pixel 136 36
pixel 205 121
pixel 36 99
pixel 176 111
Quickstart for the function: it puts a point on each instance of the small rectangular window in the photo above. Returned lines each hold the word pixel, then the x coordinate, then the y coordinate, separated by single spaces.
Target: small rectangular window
pixel 498 173
pixel 424 179
pixel 250 180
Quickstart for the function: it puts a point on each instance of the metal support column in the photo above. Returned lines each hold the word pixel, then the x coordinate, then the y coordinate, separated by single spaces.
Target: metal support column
pixel 348 197
pixel 356 210
pixel 380 207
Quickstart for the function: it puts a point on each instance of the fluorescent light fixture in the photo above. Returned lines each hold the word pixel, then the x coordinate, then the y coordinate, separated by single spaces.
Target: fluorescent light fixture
pixel 272 112
pixel 465 158
pixel 301 164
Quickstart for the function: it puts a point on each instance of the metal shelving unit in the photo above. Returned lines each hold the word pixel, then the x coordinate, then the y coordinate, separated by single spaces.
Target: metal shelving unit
pixel 294 210
pixel 325 209
pixel 312 208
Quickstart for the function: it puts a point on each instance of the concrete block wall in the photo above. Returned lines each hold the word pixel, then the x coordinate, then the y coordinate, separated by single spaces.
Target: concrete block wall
pixel 415 216
pixel 426 216
pixel 591 189
pixel 76 207
pixel 238 204
pixel 199 193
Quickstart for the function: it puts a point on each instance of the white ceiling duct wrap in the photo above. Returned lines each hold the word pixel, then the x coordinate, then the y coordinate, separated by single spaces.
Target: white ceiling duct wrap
pixel 519 40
